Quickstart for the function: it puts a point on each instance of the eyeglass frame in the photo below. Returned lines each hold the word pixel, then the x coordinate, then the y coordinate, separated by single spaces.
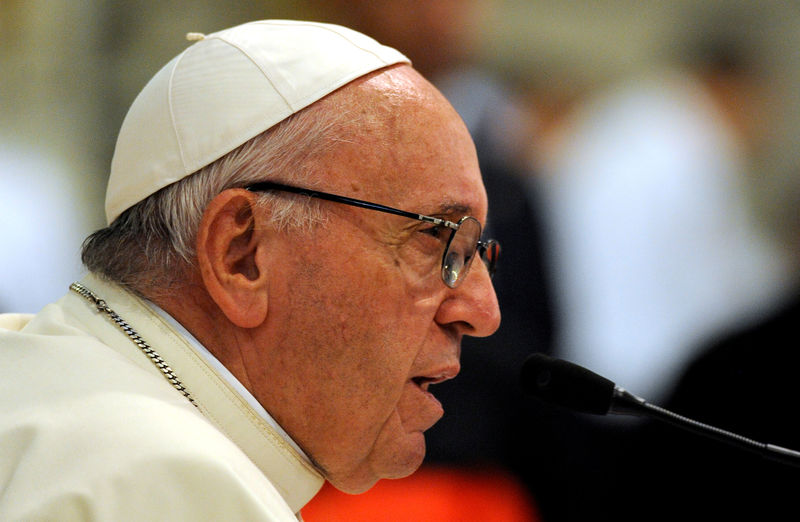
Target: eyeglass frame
pixel 481 247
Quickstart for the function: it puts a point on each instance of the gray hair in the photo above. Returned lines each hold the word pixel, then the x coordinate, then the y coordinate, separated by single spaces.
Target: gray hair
pixel 150 248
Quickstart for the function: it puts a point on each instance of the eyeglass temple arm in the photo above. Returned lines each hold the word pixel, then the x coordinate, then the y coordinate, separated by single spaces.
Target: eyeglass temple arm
pixel 268 185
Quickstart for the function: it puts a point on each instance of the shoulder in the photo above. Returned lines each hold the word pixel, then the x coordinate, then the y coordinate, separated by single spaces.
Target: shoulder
pixel 118 456
pixel 746 378
pixel 763 345
pixel 86 435
pixel 14 322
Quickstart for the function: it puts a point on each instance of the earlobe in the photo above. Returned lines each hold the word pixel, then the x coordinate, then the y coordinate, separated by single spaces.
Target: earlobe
pixel 230 258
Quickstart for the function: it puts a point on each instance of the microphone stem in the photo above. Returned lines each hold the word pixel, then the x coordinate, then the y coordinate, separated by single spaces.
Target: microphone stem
pixel 770 451
pixel 572 386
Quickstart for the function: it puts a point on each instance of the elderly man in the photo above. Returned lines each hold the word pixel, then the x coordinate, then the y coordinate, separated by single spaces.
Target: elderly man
pixel 259 315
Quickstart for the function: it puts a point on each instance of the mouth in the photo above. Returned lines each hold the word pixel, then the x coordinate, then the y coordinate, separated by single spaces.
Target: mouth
pixel 422 409
pixel 424 382
pixel 433 406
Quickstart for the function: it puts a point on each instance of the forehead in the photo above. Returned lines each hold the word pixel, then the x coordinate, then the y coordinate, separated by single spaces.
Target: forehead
pixel 409 148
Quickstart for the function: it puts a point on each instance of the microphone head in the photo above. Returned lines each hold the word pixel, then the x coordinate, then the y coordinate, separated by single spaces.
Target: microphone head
pixel 566 384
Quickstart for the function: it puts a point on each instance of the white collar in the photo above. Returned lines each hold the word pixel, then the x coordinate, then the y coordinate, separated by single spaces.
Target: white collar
pixel 228 376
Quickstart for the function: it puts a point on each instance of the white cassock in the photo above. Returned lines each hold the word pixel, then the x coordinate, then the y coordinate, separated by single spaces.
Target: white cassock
pixel 91 429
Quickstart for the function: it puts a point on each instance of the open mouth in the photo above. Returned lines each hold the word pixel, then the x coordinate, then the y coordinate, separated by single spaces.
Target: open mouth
pixel 424 382
pixel 425 406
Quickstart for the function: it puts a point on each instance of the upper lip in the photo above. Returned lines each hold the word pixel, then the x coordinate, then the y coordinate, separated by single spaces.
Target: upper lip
pixel 424 381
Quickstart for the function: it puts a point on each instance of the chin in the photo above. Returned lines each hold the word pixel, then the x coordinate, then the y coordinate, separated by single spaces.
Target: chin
pixel 398 461
pixel 409 458
pixel 395 454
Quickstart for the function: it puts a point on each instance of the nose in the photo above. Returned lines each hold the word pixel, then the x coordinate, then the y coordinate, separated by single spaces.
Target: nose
pixel 472 306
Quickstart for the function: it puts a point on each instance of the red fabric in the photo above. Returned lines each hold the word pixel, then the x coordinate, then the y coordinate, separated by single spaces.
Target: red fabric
pixel 430 494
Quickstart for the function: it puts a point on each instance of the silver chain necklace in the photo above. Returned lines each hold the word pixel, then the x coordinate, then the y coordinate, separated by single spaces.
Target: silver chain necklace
pixel 156 359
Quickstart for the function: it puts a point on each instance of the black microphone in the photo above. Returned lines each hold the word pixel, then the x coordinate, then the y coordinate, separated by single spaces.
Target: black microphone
pixel 571 386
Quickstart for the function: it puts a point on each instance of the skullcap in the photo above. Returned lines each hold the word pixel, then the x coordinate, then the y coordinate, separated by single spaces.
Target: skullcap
pixel 225 89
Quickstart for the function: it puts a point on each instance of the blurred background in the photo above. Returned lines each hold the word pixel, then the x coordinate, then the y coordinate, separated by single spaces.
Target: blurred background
pixel 642 160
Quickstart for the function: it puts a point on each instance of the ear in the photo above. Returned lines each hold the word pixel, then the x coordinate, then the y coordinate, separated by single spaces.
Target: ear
pixel 231 259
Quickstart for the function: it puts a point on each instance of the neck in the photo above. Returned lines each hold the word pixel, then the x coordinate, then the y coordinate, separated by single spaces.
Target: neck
pixel 194 309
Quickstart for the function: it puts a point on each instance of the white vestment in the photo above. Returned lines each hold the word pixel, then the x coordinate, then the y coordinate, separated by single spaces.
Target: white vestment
pixel 90 428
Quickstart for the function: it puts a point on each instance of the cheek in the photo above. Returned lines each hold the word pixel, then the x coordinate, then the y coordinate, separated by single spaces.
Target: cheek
pixel 362 332
pixel 358 353
pixel 372 388
pixel 420 269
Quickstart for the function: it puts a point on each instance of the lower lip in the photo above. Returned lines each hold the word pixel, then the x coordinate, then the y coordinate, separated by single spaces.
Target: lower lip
pixel 434 404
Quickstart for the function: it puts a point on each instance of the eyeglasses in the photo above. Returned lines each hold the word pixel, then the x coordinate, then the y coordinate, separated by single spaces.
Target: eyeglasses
pixel 463 243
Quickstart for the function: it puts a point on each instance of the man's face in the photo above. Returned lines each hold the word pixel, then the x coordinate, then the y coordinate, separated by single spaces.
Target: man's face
pixel 361 318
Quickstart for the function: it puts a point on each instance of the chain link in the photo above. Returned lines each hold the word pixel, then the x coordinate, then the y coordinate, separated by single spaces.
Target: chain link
pixel 154 357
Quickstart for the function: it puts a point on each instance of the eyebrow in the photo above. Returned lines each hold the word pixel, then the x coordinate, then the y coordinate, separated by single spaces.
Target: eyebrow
pixel 454 208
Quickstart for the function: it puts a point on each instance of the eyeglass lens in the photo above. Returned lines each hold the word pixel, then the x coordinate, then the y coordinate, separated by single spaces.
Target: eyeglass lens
pixel 460 250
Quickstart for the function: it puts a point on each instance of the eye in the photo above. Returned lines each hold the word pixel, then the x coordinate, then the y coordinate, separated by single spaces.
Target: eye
pixel 436 231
